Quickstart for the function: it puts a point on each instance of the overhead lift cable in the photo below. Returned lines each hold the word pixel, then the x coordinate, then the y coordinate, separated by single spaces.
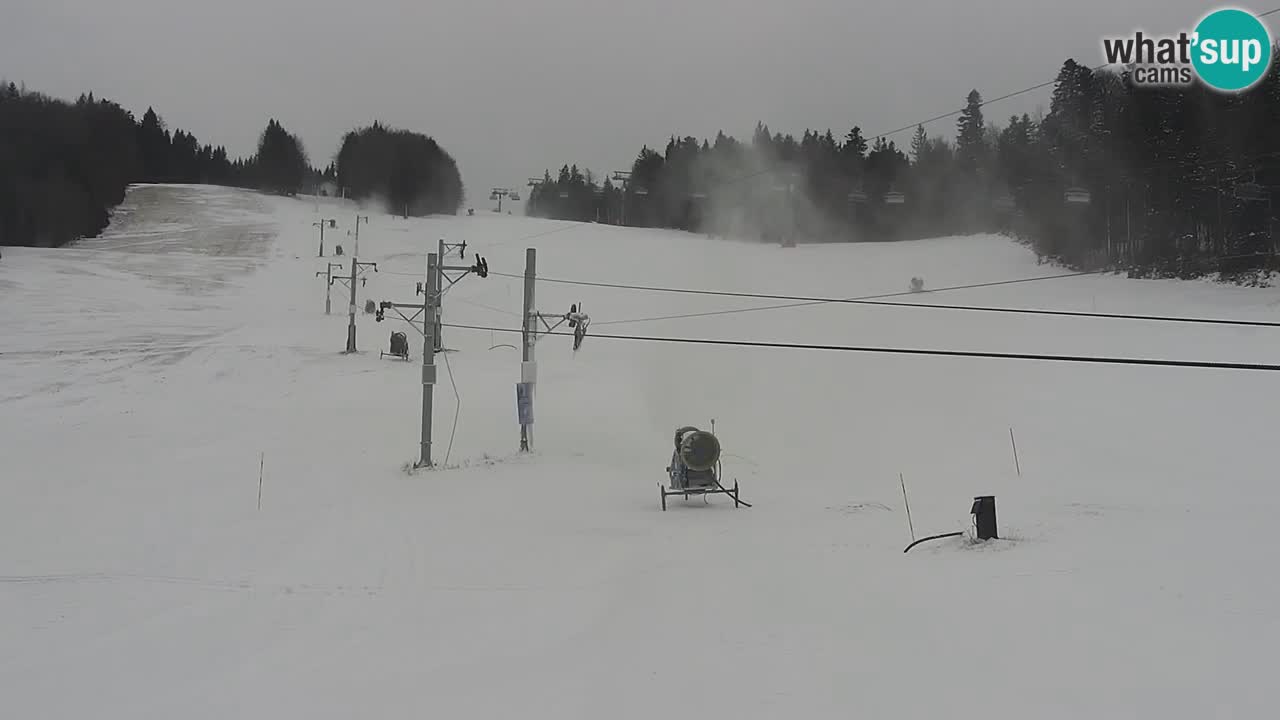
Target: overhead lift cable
pixel 878 301
pixel 914 351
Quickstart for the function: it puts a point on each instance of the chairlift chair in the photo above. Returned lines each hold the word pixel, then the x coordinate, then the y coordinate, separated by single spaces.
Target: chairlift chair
pixel 578 320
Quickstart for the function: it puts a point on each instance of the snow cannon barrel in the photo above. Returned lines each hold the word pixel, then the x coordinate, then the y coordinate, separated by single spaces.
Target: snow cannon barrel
pixel 699 449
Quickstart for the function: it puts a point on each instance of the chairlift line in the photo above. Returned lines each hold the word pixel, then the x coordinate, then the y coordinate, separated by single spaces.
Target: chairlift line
pixel 1100 360
pixel 879 301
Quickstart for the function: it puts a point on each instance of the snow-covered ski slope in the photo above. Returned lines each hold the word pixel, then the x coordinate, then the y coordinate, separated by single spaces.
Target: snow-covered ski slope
pixel 146 376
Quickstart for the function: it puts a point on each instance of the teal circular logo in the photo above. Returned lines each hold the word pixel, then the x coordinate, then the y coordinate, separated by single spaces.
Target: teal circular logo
pixel 1231 50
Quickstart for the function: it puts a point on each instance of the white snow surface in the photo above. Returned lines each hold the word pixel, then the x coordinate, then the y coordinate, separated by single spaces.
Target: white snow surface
pixel 147 375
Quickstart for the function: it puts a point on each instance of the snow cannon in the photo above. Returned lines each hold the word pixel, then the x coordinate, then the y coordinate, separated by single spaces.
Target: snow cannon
pixel 399 346
pixel 699 450
pixel 695 467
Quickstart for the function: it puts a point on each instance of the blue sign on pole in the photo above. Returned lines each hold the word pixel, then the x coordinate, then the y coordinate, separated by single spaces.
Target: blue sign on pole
pixel 524 402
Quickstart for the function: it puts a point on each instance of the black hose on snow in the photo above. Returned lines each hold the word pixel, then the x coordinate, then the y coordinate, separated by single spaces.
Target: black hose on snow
pixel 932 537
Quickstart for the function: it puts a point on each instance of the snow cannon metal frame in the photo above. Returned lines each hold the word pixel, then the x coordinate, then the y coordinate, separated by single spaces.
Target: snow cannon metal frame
pixel 695 468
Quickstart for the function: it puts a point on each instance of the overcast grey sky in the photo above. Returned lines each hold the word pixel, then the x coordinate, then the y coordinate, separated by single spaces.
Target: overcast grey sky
pixel 511 88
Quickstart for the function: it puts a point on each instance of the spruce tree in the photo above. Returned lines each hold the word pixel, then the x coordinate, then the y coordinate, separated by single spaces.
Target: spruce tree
pixel 919 144
pixel 970 135
pixel 281 162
